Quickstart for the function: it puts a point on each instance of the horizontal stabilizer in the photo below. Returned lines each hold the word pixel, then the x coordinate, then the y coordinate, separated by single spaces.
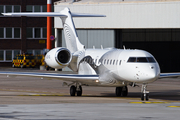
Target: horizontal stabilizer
pixel 86 15
pixel 36 14
pixel 50 14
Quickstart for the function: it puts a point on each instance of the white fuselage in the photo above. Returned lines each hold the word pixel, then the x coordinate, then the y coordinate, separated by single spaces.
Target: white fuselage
pixel 119 67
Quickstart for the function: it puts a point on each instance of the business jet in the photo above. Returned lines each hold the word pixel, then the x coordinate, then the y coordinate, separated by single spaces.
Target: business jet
pixel 107 67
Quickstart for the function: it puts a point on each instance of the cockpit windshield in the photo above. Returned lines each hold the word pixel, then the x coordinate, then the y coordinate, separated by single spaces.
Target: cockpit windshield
pixel 141 59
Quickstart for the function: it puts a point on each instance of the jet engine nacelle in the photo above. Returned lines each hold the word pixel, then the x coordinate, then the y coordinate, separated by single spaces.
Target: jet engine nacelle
pixel 58 58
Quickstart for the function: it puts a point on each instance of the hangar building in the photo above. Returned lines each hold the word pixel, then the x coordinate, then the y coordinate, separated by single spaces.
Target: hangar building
pixel 150 25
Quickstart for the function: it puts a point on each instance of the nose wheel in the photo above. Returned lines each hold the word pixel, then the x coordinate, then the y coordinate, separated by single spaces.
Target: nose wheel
pixel 144 93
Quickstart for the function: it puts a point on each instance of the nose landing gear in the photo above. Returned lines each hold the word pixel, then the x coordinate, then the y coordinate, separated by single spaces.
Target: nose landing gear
pixel 144 93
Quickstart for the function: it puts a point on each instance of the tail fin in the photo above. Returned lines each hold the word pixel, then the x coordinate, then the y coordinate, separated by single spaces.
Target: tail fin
pixel 71 38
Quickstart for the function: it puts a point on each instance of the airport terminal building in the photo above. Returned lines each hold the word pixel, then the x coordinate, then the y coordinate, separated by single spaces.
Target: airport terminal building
pixel 149 25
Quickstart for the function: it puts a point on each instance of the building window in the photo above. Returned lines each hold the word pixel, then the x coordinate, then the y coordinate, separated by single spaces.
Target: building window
pixel 1 10
pixel 37 8
pixel 35 52
pixel 29 8
pixel 1 55
pixel 29 32
pixel 16 32
pixel 16 52
pixel 17 8
pixel 1 32
pixel 36 33
pixel 8 55
pixel 44 32
pixel 9 8
pixel 44 8
pixel 8 32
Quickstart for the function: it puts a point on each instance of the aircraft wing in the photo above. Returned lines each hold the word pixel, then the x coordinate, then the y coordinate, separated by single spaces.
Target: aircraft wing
pixel 169 75
pixel 65 77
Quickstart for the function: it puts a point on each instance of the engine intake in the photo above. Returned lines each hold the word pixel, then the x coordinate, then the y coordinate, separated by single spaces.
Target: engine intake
pixel 63 56
pixel 58 58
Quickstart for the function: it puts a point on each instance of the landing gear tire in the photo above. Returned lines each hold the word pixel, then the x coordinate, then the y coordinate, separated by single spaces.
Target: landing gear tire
pixel 124 91
pixel 144 93
pixel 147 97
pixel 79 92
pixel 118 91
pixel 72 90
pixel 142 97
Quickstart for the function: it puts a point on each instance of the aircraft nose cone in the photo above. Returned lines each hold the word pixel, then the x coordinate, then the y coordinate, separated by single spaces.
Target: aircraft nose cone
pixel 152 74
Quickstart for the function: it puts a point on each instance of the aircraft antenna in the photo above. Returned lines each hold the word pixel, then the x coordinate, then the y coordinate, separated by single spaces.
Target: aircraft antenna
pixel 124 47
pixel 101 47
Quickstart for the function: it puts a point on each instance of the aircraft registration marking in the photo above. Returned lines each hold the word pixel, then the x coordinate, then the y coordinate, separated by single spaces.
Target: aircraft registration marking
pixel 149 102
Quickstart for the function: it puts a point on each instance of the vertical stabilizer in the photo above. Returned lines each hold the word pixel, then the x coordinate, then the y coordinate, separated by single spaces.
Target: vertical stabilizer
pixel 71 37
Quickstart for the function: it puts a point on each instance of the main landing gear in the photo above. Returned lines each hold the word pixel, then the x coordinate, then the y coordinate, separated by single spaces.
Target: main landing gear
pixel 122 91
pixel 144 93
pixel 76 90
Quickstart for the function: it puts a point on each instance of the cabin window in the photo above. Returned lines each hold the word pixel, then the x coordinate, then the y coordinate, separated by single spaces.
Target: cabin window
pixel 89 61
pixel 92 61
pixel 120 62
pixel 151 59
pixel 107 62
pixel 99 61
pixel 110 62
pixel 141 59
pixel 132 59
pixel 113 62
